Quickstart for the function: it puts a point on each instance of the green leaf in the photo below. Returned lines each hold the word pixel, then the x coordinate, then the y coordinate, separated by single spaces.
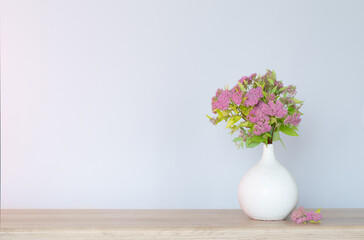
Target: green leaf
pixel 276 136
pixel 283 144
pixel 274 89
pixel 296 100
pixel 238 139
pixel 234 128
pixel 288 131
pixel 271 81
pixel 267 134
pixel 219 113
pixel 263 85
pixel 252 144
pixel 272 120
pixel 225 112
pixel 233 120
pixel 257 139
pixel 208 116
pixel 218 119
pixel 282 89
pixel 318 210
pixel 245 110
pixel 265 94
pixel 242 144
pixel 244 124
pixel 241 86
pixel 234 108
pixel 291 110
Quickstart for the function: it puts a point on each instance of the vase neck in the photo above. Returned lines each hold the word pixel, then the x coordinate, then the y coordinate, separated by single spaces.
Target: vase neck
pixel 268 156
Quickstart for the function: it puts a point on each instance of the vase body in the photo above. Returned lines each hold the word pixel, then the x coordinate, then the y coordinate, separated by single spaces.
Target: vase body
pixel 268 191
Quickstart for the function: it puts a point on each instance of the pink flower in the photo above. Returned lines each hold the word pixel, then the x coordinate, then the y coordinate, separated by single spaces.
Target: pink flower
pixel 300 216
pixel 293 119
pixel 253 96
pixel 278 83
pixel 260 119
pixel 291 90
pixel 252 76
pixel 235 89
pixel 218 92
pixel 237 97
pixel 276 109
pixel 316 217
pixel 298 213
pixel 262 111
pixel 261 127
pixel 257 115
pixel 246 79
pixel 221 100
pixel 271 97
pixel 313 216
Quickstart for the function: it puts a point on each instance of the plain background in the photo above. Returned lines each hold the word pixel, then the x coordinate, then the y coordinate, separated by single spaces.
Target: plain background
pixel 103 103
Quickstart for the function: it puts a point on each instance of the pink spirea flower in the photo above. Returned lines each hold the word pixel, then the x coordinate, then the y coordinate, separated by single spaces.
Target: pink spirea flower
pixel 271 97
pixel 241 80
pixel 261 127
pixel 275 109
pixel 261 113
pixel 301 216
pixel 260 119
pixel 237 97
pixel 257 115
pixel 253 96
pixel 278 83
pixel 222 100
pixel 252 76
pixel 313 216
pixel 298 213
pixel 291 90
pixel 218 92
pixel 293 119
pixel 247 80
pixel 215 98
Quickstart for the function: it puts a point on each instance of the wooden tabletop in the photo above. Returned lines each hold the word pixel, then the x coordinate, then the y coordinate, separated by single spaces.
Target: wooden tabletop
pixel 172 224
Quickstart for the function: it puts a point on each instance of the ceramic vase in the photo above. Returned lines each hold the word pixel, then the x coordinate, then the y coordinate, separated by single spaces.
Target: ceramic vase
pixel 268 191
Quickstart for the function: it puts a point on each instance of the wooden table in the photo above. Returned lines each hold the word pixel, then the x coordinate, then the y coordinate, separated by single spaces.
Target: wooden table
pixel 172 224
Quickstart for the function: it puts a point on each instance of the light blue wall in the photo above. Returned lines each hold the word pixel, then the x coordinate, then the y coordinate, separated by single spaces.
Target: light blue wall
pixel 104 102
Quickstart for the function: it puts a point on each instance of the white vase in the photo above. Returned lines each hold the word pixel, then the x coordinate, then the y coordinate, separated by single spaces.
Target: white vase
pixel 268 191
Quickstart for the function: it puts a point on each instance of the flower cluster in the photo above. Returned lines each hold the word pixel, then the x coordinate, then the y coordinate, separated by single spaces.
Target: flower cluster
pixel 259 107
pixel 253 96
pixel 301 216
pixel 221 100
pixel 261 113
pixel 293 119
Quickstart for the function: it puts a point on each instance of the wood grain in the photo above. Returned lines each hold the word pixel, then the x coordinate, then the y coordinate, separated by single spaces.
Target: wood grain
pixel 172 224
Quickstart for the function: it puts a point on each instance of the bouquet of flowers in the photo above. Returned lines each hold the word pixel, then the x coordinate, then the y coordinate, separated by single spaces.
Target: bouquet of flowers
pixel 259 107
